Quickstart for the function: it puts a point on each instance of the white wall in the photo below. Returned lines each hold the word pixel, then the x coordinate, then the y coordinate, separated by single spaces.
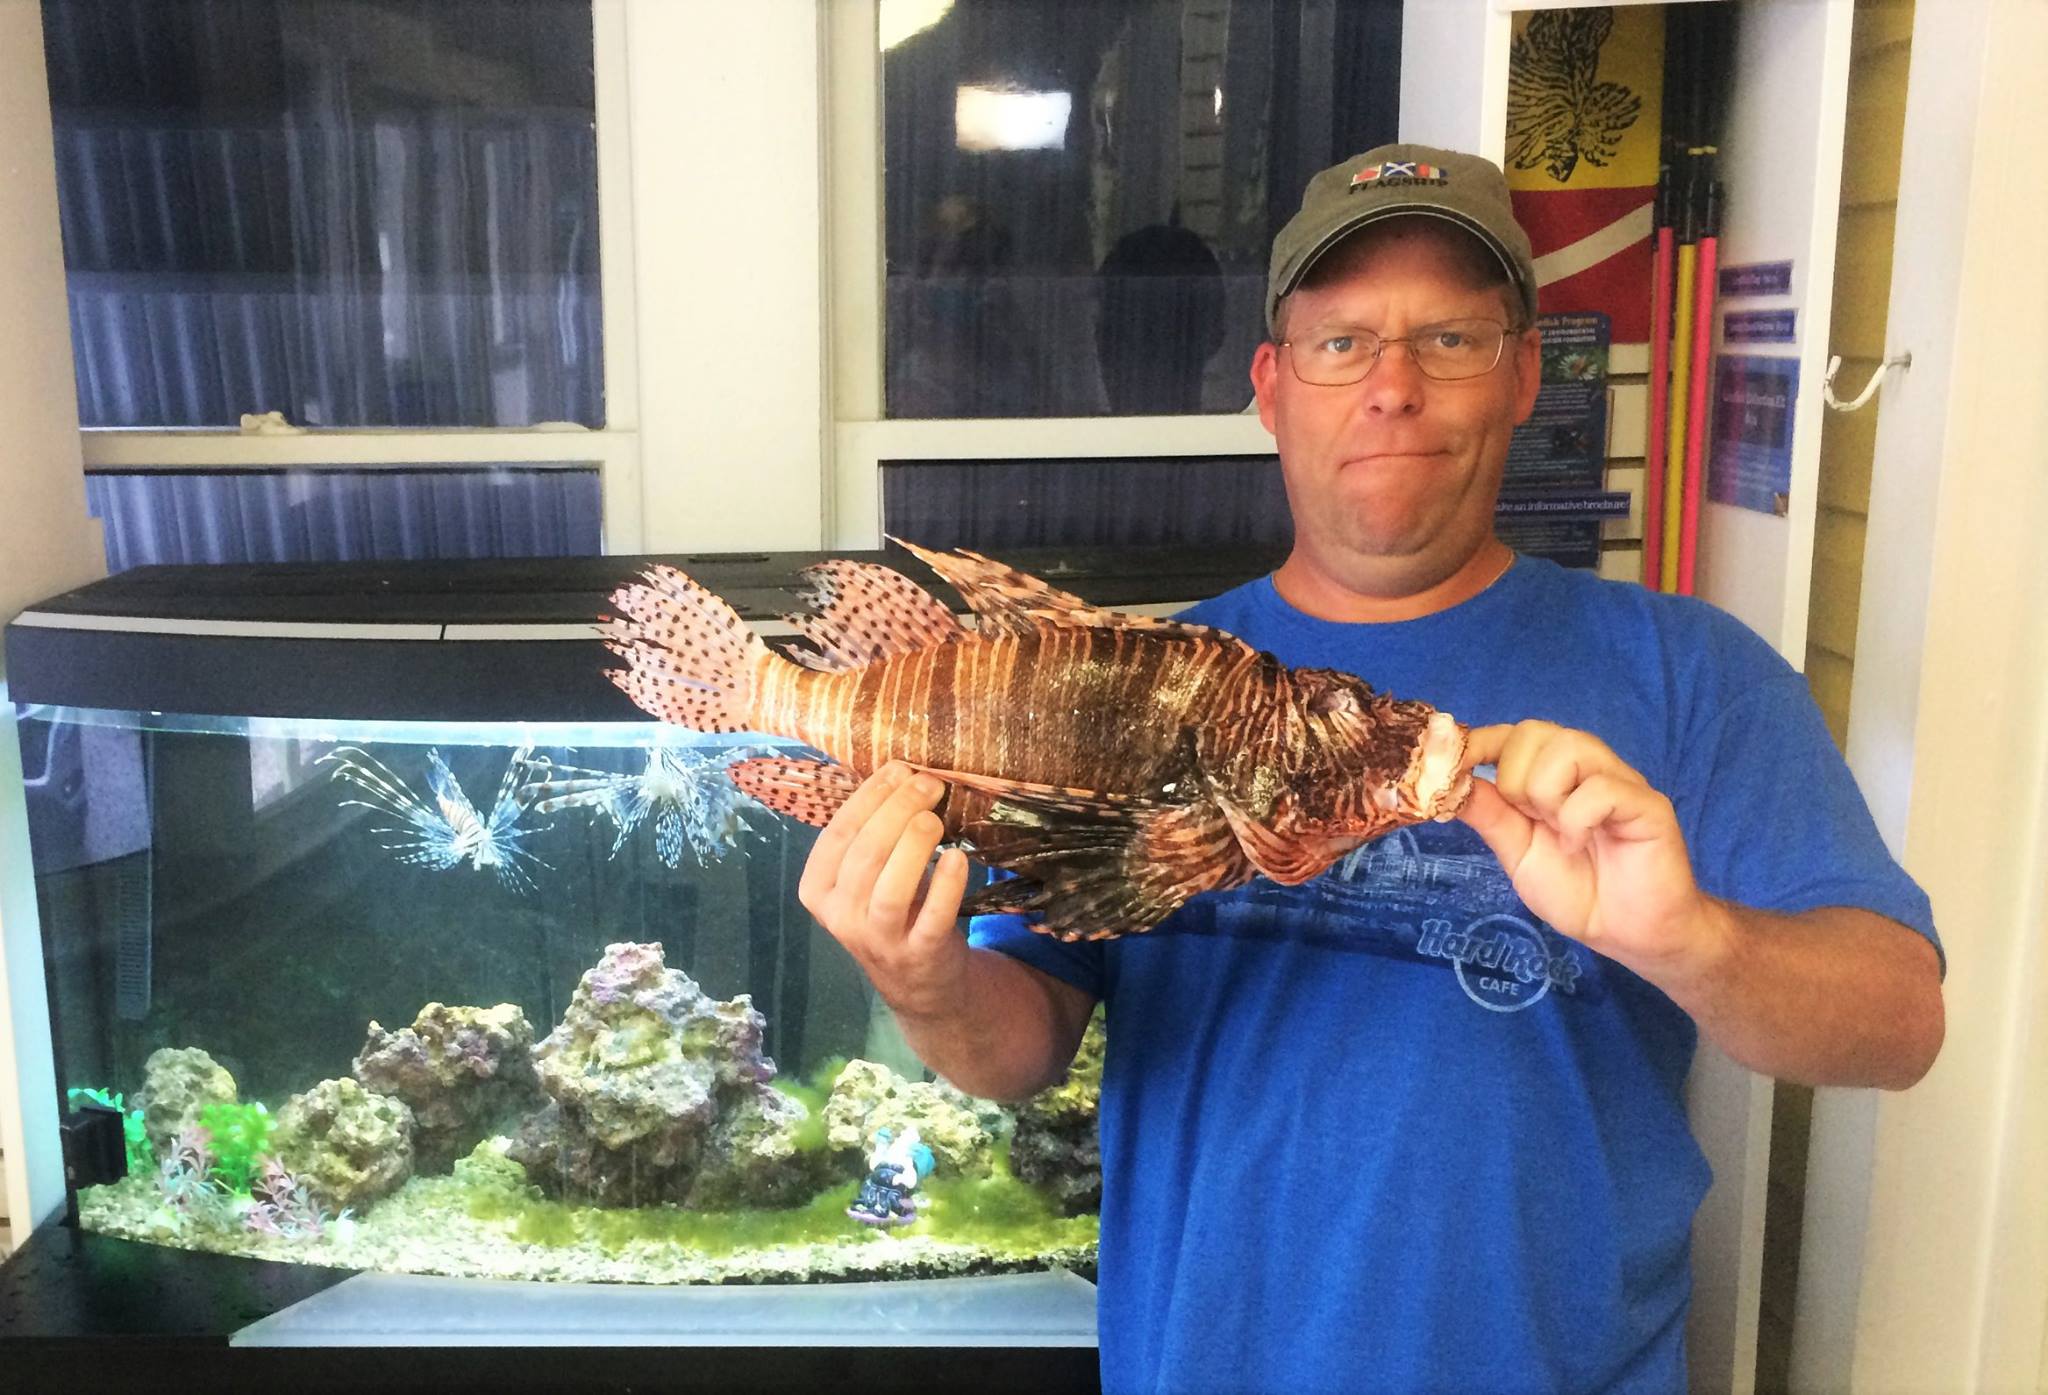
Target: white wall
pixel 47 544
pixel 1925 1263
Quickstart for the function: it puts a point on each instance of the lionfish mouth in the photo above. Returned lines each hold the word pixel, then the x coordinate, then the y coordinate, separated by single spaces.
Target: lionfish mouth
pixel 1435 785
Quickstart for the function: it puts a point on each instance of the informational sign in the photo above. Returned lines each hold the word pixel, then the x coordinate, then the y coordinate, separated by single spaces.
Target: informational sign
pixel 1563 444
pixel 1759 327
pixel 1751 462
pixel 1757 278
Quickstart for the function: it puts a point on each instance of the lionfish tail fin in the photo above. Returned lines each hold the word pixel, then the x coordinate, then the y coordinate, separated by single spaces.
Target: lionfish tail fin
pixel 690 659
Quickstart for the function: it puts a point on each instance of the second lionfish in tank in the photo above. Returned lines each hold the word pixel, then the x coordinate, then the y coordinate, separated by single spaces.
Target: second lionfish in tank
pixel 685 793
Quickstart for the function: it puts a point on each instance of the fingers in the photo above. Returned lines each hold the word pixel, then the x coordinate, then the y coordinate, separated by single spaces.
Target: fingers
pixel 861 880
pixel 1483 745
pixel 1611 805
pixel 1503 828
pixel 940 911
pixel 1539 765
pixel 821 870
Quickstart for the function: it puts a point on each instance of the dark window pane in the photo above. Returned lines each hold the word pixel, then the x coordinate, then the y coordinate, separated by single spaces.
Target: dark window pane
pixel 1081 195
pixel 355 212
pixel 340 515
pixel 1210 500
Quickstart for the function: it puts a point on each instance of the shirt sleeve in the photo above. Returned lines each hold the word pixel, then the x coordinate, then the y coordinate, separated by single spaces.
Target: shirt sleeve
pixel 1774 819
pixel 1079 964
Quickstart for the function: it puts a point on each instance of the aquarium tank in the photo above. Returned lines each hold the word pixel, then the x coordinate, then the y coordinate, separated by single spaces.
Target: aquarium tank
pixel 382 932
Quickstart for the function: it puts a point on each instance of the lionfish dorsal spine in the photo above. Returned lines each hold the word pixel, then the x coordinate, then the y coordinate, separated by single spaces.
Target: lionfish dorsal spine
pixel 859 612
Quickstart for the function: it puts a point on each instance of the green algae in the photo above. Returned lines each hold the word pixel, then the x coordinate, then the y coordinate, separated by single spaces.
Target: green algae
pixel 998 1213
pixel 813 1092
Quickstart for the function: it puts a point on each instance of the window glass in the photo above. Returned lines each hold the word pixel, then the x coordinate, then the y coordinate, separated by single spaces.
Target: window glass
pixel 1081 196
pixel 353 212
pixel 989 504
pixel 341 515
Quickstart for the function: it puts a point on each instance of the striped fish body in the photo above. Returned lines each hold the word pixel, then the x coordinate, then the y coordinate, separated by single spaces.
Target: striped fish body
pixel 1117 764
pixel 1085 708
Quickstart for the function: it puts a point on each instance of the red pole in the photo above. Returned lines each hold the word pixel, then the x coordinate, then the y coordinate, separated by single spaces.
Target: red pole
pixel 1660 394
pixel 1696 401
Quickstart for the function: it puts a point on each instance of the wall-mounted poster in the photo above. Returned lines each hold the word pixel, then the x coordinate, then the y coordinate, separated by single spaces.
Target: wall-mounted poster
pixel 1585 91
pixel 1751 463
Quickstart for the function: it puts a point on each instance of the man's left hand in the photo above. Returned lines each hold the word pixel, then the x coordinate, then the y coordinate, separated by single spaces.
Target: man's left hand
pixel 1590 847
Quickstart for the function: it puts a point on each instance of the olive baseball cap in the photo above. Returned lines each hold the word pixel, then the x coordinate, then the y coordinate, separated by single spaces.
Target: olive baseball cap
pixel 1396 180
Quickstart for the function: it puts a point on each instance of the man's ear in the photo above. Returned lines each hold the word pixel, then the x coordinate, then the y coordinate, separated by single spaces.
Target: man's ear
pixel 1265 375
pixel 1528 351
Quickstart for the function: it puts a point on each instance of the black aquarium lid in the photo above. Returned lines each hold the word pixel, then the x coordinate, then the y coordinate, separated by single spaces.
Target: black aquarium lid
pixel 481 641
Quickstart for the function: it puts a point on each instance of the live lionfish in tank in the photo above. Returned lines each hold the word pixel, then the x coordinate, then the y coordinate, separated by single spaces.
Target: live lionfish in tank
pixel 690 803
pixel 684 791
pixel 449 831
pixel 1117 764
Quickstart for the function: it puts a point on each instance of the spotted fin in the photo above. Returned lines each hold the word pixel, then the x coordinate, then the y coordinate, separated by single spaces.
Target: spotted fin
pixel 810 790
pixel 1012 602
pixel 1107 871
pixel 690 659
pixel 859 612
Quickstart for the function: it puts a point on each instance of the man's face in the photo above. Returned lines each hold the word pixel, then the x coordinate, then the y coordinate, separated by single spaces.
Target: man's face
pixel 1392 480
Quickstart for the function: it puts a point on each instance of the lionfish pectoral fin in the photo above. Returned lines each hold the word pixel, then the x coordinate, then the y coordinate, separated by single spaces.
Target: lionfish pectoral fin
pixel 1108 870
pixel 861 612
pixel 810 790
pixel 1014 602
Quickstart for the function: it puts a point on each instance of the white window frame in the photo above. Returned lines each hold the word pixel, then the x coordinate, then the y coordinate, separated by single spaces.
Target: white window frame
pixel 614 450
pixel 862 438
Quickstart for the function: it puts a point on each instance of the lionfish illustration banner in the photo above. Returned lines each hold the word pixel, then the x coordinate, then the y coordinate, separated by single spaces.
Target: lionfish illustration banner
pixel 1117 764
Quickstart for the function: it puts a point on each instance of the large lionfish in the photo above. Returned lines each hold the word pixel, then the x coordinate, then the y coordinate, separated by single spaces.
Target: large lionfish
pixel 1117 764
pixel 691 802
pixel 449 831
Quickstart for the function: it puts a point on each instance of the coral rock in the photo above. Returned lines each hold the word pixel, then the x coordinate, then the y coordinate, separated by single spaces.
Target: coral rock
pixel 640 1072
pixel 349 1144
pixel 1057 1143
pixel 465 1072
pixel 868 1096
pixel 179 1082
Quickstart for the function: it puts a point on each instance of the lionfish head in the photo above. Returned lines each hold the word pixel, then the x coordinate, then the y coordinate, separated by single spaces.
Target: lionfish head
pixel 1373 762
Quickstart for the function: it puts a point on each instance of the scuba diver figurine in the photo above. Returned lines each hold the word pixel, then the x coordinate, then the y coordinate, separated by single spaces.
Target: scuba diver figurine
pixel 894 1167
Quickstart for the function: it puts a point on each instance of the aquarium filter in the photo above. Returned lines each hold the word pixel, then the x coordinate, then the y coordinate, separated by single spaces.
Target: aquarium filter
pixel 95 1151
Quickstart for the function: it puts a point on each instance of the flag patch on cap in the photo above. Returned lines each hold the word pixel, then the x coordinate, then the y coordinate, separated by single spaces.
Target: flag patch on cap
pixel 1399 171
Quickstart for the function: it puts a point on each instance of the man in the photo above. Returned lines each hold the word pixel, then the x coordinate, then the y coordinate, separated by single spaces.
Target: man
pixel 1417 1124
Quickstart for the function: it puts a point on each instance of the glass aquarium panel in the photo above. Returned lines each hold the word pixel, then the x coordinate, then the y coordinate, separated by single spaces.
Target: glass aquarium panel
pixel 534 1002
pixel 1081 195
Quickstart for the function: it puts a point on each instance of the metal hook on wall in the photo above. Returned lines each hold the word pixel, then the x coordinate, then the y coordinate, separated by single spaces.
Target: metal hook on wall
pixel 1827 385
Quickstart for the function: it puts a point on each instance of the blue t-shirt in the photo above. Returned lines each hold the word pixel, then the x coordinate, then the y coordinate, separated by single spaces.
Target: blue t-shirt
pixel 1387 1130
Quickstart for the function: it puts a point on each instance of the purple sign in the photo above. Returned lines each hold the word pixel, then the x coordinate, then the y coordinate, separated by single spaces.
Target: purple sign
pixel 1757 278
pixel 1758 327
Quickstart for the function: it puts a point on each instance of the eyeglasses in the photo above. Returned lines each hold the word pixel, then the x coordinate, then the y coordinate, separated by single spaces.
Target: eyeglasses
pixel 1448 351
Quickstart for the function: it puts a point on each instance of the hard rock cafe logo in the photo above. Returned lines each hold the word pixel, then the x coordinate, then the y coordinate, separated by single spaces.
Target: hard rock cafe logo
pixel 1503 962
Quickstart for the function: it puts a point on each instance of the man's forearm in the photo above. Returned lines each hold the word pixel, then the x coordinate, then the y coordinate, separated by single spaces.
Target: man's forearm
pixel 1834 996
pixel 1012 1033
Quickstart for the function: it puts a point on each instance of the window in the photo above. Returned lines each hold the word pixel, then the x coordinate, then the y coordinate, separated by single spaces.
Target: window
pixel 1080 199
pixel 352 212
pixel 338 515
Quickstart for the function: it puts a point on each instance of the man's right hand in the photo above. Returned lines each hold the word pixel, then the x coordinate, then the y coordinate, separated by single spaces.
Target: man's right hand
pixel 865 883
